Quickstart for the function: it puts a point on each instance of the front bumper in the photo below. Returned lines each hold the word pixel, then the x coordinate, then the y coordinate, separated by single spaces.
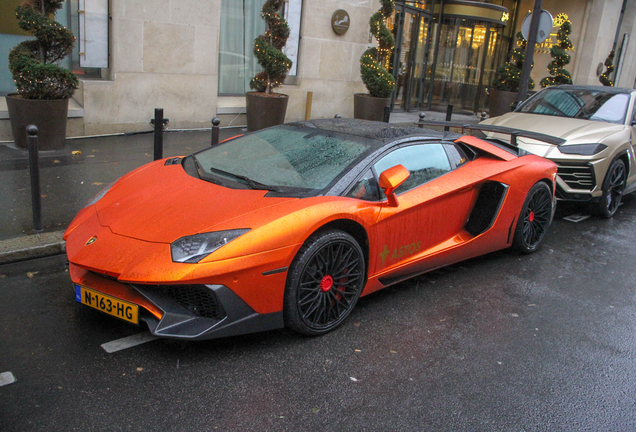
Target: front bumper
pixel 190 312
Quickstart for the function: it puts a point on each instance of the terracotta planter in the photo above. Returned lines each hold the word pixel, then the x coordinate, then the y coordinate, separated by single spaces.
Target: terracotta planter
pixel 499 102
pixel 265 110
pixel 49 116
pixel 367 107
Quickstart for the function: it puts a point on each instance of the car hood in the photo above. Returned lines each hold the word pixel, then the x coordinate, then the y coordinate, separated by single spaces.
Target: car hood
pixel 161 203
pixel 574 131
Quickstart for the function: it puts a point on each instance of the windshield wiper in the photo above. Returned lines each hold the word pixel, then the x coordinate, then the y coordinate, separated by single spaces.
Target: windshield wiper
pixel 253 184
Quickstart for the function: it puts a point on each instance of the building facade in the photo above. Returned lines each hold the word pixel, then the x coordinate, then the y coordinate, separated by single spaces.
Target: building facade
pixel 194 57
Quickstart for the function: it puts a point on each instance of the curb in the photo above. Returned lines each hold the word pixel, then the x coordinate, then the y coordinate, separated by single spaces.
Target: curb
pixel 32 246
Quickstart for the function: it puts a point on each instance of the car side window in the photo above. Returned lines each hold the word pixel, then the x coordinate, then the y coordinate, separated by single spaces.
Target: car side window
pixel 634 113
pixel 456 156
pixel 425 162
pixel 366 188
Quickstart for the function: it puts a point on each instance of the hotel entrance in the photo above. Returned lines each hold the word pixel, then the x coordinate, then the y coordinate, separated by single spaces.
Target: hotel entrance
pixel 447 52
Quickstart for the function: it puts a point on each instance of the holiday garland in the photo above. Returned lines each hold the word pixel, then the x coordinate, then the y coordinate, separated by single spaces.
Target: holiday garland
pixel 32 63
pixel 268 49
pixel 374 61
pixel 609 64
pixel 561 58
pixel 508 76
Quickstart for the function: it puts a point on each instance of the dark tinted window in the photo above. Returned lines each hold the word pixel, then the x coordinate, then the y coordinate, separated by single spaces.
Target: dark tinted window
pixel 587 104
pixel 425 162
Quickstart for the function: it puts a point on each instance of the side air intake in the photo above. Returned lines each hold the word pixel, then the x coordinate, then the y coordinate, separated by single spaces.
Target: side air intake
pixel 489 201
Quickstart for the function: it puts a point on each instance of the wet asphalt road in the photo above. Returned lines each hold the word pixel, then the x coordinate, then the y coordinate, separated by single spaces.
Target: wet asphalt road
pixel 500 343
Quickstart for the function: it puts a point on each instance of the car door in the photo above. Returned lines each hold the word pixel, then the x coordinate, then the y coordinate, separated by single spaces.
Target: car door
pixel 433 205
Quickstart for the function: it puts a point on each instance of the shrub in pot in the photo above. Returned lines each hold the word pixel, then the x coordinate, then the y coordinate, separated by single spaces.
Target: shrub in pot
pixel 373 64
pixel 264 107
pixel 43 87
pixel 505 86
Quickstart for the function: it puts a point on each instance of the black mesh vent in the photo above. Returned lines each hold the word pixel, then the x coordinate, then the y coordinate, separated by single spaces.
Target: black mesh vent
pixel 486 207
pixel 577 176
pixel 198 299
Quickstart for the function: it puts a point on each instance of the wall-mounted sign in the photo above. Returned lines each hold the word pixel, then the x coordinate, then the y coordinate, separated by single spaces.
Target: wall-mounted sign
pixel 340 21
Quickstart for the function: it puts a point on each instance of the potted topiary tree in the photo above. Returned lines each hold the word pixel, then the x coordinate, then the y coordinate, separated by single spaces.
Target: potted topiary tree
pixel 609 68
pixel 43 87
pixel 505 86
pixel 559 75
pixel 373 64
pixel 264 107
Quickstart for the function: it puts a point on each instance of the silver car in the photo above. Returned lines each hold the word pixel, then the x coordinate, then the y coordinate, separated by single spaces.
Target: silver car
pixel 597 162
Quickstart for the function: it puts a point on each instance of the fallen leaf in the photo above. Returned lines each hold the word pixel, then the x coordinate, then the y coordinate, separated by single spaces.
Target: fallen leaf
pixel 393 352
pixel 56 161
pixel 3 276
pixel 353 379
pixel 356 324
pixel 139 369
pixel 31 274
pixel 43 196
pixel 315 410
pixel 358 351
pixel 97 183
pixel 76 152
pixel 90 156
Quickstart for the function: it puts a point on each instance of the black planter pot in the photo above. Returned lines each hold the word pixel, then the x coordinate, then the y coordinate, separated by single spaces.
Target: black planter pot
pixel 367 107
pixel 265 109
pixel 499 101
pixel 49 116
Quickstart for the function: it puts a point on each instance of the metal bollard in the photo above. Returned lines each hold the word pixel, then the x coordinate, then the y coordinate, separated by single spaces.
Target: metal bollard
pixel 387 114
pixel 159 123
pixel 215 131
pixel 449 114
pixel 483 115
pixel 337 116
pixel 421 121
pixel 34 163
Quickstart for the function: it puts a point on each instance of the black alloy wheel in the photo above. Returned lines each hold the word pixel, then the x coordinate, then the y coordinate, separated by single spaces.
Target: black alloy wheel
pixel 324 283
pixel 613 188
pixel 534 219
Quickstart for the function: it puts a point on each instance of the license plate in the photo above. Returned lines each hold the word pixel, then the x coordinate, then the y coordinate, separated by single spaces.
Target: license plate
pixel 105 303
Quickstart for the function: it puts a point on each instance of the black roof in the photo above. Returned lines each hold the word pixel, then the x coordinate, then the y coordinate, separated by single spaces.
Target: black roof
pixel 373 130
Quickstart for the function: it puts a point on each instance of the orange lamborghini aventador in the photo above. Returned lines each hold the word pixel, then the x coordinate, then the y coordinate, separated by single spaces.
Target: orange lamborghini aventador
pixel 290 225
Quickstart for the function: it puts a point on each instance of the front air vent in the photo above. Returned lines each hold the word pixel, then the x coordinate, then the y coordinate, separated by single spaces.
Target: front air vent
pixel 577 176
pixel 173 161
pixel 198 299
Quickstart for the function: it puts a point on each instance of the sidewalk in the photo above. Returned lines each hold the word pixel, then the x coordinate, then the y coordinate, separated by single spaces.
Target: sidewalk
pixel 72 176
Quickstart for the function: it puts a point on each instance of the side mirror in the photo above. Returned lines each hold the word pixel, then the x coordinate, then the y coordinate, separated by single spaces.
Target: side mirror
pixel 390 179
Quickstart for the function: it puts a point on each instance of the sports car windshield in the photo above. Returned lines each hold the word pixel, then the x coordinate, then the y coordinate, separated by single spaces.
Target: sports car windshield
pixel 284 157
pixel 586 104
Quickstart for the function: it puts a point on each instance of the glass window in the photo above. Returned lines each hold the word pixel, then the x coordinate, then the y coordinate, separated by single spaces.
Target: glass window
pixel 584 104
pixel 425 162
pixel 286 156
pixel 456 156
pixel 89 25
pixel 366 188
pixel 241 23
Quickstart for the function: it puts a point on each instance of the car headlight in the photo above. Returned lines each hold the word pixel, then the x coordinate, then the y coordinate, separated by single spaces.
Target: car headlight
pixel 582 149
pixel 100 195
pixel 192 249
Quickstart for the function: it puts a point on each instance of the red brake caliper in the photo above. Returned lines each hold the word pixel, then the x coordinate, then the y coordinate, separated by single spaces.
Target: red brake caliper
pixel 531 217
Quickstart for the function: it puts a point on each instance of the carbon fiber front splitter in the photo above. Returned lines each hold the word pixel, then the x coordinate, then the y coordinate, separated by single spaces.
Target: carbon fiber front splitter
pixel 180 322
